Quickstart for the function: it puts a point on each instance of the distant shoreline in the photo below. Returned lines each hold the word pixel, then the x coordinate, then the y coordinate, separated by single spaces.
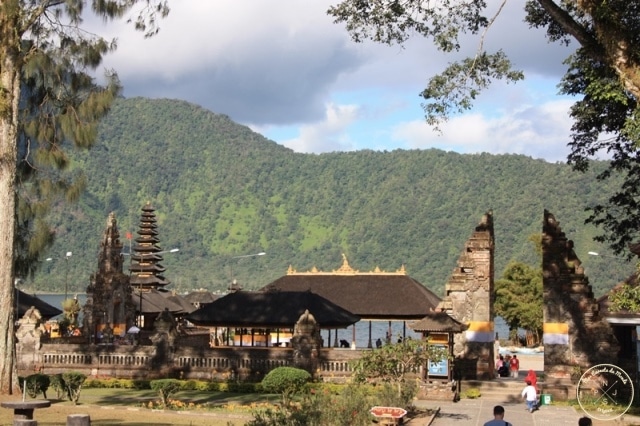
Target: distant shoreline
pixel 511 350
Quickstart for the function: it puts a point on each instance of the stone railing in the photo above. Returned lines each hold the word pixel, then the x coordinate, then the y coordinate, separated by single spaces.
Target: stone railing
pixel 204 363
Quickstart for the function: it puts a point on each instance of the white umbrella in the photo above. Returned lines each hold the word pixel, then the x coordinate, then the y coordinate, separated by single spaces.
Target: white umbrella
pixel 133 330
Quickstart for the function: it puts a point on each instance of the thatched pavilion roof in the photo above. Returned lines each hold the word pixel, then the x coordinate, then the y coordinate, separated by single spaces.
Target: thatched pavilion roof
pixel 26 301
pixel 370 295
pixel 154 302
pixel 271 310
pixel 438 322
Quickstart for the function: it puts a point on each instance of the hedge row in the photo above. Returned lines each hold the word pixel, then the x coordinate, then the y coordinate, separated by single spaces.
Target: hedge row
pixel 196 385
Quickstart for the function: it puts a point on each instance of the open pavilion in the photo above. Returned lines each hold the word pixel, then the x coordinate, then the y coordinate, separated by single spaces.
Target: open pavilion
pixel 372 296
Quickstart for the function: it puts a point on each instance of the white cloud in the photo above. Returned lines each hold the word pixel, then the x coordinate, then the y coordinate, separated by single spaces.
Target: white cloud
pixel 328 135
pixel 539 131
pixel 285 64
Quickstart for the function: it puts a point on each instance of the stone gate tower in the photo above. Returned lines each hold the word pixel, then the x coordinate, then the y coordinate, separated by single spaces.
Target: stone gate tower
pixel 469 299
pixel 574 332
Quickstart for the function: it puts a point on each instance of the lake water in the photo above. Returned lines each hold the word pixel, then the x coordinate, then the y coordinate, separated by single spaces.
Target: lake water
pixel 379 330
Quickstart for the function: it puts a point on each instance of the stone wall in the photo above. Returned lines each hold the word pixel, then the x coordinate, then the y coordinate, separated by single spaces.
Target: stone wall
pixel 222 363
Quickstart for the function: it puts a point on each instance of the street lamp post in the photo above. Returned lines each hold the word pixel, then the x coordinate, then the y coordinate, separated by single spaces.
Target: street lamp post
pixel 233 283
pixel 66 271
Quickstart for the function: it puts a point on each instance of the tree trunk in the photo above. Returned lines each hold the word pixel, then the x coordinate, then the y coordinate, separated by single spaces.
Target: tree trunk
pixel 612 42
pixel 9 97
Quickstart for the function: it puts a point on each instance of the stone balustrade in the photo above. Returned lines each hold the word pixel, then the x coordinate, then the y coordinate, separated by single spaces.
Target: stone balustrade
pixel 184 362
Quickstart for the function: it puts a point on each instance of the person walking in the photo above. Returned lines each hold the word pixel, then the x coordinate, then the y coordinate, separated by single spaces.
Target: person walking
pixel 531 396
pixel 514 366
pixel 498 365
pixel 498 417
pixel 585 421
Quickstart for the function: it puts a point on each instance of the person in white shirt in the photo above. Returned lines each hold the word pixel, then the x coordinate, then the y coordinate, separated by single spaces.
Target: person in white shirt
pixel 498 417
pixel 530 395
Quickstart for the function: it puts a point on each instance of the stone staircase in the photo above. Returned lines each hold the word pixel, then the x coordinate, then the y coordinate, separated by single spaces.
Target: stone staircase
pixel 508 390
pixel 500 390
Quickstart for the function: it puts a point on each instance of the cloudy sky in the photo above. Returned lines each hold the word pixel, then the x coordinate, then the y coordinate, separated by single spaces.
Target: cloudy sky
pixel 284 69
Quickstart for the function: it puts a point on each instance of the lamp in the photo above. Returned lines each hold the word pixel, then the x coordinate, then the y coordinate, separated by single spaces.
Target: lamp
pixel 233 286
pixel 66 271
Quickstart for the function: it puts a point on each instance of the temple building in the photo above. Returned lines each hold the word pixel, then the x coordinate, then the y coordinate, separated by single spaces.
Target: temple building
pixel 116 302
pixel 146 273
pixel 109 304
pixel 373 296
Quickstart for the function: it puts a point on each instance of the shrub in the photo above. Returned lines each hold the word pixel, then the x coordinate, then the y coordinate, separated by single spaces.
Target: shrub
pixel 72 384
pixel 350 407
pixel 388 395
pixel 36 383
pixel 165 388
pixel 322 407
pixel 57 384
pixel 286 381
pixel 188 385
pixel 242 387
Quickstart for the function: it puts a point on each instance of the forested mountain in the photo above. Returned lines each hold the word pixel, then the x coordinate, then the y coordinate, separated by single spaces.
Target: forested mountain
pixel 221 190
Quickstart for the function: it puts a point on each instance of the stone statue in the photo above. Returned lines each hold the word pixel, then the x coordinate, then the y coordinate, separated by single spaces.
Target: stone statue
pixel 306 343
pixel 30 329
pixel 165 329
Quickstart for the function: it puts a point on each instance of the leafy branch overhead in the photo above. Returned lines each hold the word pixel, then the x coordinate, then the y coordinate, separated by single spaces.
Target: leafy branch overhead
pixel 603 73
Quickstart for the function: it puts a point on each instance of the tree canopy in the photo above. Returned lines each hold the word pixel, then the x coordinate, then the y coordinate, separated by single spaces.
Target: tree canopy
pixel 48 102
pixel 519 298
pixel 603 72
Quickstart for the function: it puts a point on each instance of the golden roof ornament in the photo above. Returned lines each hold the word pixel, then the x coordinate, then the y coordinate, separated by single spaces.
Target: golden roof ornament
pixel 346 269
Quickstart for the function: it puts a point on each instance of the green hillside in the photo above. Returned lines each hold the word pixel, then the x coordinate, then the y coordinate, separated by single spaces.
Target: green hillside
pixel 220 190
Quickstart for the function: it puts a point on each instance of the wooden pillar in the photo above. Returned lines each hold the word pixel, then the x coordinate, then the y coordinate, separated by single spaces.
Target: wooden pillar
pixel 369 345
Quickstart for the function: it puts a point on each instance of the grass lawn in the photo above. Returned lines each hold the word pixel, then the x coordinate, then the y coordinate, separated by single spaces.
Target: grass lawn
pixel 127 407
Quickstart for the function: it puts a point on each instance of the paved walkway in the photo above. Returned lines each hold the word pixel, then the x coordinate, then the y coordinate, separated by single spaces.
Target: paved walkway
pixel 475 412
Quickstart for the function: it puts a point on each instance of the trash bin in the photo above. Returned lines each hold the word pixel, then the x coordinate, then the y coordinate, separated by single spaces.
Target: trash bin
pixel 545 399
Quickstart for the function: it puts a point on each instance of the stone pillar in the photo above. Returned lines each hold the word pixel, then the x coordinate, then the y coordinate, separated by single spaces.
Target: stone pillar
pixel 469 299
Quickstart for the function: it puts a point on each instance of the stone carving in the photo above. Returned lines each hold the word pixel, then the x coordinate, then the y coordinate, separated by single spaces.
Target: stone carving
pixel 165 329
pixel 30 330
pixel 109 293
pixel 306 343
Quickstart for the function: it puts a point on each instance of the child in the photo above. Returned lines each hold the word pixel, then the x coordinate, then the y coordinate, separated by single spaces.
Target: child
pixel 531 396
